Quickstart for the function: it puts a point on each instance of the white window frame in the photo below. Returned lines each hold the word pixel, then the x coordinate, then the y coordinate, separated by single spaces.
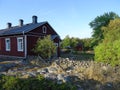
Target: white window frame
pixel 44 29
pixel 19 47
pixel 7 44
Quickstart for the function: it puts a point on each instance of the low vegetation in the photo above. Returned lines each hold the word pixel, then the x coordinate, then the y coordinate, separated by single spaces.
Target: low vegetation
pixel 45 48
pixel 38 83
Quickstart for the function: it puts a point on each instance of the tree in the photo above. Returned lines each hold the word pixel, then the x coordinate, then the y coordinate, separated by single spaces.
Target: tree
pixel 87 44
pixel 69 42
pixel 109 50
pixel 73 42
pixel 45 47
pixel 66 42
pixel 98 23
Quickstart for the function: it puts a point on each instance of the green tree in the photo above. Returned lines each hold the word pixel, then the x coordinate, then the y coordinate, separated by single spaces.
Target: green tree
pixel 74 42
pixel 69 42
pixel 66 42
pixel 45 47
pixel 98 23
pixel 87 43
pixel 109 50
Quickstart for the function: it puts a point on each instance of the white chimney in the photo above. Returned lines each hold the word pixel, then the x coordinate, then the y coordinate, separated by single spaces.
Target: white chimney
pixel 34 19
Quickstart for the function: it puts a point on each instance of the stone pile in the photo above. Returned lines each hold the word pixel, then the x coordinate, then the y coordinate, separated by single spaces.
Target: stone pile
pixel 61 70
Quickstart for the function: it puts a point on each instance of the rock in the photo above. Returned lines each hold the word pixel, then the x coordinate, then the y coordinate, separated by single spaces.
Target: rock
pixel 10 65
pixel 60 77
pixel 52 70
pixel 79 87
pixel 32 74
pixel 3 68
pixel 67 79
pixel 11 72
pixel 42 71
pixel 50 76
pixel 108 86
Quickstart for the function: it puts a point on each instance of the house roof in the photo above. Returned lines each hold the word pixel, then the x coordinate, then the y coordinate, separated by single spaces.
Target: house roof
pixel 20 29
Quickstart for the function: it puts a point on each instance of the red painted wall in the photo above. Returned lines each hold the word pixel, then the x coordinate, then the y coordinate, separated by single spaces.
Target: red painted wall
pixel 31 42
pixel 39 30
pixel 13 51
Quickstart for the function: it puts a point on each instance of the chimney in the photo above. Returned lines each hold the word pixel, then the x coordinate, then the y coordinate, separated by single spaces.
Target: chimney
pixel 9 25
pixel 20 22
pixel 34 19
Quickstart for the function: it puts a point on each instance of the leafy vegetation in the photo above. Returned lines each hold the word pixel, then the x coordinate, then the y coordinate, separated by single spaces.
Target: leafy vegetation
pixel 97 25
pixel 72 42
pixel 109 50
pixel 45 47
pixel 38 83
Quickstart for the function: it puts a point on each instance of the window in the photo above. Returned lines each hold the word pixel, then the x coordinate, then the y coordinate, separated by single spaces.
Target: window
pixel 44 29
pixel 20 43
pixel 7 44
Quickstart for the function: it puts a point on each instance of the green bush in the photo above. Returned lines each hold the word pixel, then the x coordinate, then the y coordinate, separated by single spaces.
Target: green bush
pixel 109 50
pixel 45 47
pixel 38 83
pixel 108 53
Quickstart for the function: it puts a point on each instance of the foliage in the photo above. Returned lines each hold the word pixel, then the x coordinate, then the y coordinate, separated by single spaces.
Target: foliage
pixel 45 47
pixel 98 23
pixel 66 42
pixel 38 83
pixel 87 44
pixel 73 42
pixel 109 50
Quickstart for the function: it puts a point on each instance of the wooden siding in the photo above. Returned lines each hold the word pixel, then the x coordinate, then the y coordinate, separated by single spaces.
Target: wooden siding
pixel 13 47
pixel 31 42
pixel 39 31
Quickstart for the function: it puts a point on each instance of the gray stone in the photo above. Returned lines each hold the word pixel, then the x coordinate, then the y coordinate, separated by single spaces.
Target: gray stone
pixel 32 74
pixel 3 68
pixel 50 76
pixel 42 71
pixel 67 79
pixel 60 77
pixel 52 70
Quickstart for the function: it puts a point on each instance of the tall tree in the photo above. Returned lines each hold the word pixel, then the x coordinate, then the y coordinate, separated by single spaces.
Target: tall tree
pixel 98 23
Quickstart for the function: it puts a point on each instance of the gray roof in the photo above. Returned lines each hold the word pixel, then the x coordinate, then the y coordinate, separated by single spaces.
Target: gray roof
pixel 20 29
pixel 54 36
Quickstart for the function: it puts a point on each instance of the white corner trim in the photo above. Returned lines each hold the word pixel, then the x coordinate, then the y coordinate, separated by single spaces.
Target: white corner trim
pixel 25 41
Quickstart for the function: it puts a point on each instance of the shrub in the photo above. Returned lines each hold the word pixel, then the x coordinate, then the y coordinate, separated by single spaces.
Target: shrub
pixel 109 50
pixel 108 53
pixel 38 83
pixel 45 47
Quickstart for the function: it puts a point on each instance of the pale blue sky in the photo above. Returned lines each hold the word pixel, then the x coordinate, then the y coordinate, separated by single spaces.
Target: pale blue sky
pixel 67 17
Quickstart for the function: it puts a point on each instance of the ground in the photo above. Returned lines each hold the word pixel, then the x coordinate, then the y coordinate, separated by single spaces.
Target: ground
pixel 78 69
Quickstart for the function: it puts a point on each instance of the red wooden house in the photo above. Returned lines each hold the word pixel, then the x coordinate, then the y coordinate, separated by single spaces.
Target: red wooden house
pixel 20 40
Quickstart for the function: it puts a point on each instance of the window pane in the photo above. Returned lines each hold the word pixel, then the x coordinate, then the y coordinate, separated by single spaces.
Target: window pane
pixel 7 42
pixel 20 43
